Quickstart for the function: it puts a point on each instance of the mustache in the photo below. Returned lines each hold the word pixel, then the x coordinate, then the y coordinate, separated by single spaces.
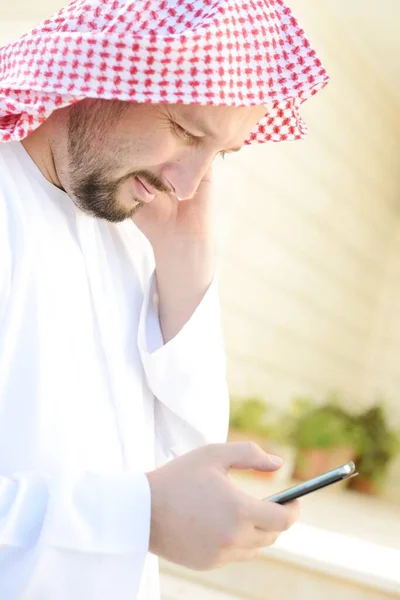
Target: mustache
pixel 150 178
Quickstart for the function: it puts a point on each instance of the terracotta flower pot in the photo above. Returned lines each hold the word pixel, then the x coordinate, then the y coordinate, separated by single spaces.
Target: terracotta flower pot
pixel 263 474
pixel 363 485
pixel 311 462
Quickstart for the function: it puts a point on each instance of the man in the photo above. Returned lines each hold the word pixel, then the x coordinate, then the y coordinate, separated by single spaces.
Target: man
pixel 113 400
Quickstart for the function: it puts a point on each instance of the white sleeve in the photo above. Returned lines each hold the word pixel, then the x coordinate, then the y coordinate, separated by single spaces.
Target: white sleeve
pixel 92 528
pixel 187 375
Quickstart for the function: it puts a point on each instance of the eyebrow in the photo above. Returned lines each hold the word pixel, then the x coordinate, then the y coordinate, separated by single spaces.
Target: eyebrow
pixel 201 126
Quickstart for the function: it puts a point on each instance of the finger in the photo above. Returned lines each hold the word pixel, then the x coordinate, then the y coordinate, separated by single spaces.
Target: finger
pixel 270 516
pixel 245 455
pixel 258 538
pixel 246 554
pixel 294 511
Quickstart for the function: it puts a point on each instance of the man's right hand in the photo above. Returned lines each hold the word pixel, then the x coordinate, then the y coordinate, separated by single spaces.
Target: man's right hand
pixel 201 520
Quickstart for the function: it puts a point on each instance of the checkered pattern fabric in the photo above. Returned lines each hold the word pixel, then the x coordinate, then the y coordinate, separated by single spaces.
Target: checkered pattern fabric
pixel 208 52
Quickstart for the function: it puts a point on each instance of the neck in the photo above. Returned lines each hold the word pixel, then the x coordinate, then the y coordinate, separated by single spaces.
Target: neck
pixel 37 145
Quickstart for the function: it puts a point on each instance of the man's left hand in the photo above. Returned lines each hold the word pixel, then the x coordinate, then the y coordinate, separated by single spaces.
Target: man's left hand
pixel 182 235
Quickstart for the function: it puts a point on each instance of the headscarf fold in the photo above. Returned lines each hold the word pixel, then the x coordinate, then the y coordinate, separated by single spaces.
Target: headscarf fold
pixel 207 52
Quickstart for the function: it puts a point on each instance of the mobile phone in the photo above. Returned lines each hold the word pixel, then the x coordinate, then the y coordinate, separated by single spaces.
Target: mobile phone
pixel 339 474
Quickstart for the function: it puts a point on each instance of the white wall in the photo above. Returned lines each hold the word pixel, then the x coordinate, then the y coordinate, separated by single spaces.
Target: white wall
pixel 310 244
pixel 308 231
pixel 383 373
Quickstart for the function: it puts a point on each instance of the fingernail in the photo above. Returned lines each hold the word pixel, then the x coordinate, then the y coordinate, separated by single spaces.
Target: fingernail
pixel 276 460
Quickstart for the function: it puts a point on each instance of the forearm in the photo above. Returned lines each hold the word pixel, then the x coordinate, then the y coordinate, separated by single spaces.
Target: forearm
pixel 183 276
pixel 187 374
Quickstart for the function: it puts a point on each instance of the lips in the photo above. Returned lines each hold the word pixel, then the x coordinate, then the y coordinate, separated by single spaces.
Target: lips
pixel 142 192
pixel 148 187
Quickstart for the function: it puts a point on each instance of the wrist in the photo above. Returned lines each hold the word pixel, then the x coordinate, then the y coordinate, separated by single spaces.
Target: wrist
pixel 183 274
pixel 185 269
pixel 155 517
pixel 184 249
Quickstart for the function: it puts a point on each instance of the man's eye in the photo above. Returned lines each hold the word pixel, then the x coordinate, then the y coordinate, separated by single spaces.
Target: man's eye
pixel 185 135
pixel 183 132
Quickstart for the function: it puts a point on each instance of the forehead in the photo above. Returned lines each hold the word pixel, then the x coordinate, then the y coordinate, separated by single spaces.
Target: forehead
pixel 219 114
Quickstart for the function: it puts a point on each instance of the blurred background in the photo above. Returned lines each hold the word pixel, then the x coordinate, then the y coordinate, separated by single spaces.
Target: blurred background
pixel 310 290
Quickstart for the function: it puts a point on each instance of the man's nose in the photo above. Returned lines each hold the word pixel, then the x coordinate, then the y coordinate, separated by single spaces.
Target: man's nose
pixel 185 175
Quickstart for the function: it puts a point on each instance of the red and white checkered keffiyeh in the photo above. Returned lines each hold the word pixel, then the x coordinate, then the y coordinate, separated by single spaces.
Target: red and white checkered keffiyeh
pixel 208 52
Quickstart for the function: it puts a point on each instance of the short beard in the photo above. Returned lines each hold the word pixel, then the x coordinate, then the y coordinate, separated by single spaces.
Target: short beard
pixel 90 185
pixel 99 198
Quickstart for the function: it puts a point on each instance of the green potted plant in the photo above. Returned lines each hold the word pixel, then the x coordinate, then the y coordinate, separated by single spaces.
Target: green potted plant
pixel 324 435
pixel 248 419
pixel 377 446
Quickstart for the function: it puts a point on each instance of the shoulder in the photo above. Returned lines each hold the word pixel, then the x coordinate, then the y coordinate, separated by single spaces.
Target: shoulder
pixel 5 245
pixel 6 168
pixel 7 174
pixel 4 198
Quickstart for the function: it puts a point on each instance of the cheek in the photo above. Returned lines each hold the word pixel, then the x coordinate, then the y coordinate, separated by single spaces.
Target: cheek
pixel 159 150
pixel 153 146
pixel 140 150
pixel 125 194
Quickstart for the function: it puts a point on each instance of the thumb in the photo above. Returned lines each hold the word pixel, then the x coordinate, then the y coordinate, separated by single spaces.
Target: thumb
pixel 247 455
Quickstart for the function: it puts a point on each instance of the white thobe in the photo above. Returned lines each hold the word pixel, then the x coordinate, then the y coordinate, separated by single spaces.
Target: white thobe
pixel 90 397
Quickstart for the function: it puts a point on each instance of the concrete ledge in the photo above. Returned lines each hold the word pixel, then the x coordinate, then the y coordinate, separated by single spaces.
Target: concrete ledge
pixel 176 588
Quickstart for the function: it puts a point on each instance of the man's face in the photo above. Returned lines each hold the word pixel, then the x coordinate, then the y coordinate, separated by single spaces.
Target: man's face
pixel 121 155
